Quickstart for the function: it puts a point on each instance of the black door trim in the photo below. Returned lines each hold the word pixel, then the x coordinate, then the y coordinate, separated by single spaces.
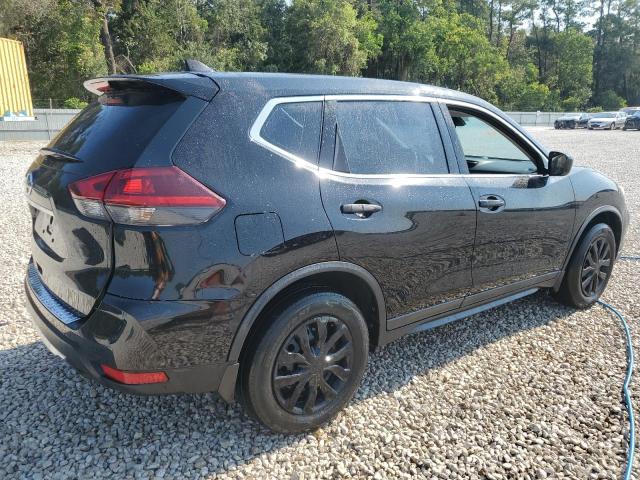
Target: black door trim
pixel 452 316
pixel 492 293
pixel 413 317
pixel 433 313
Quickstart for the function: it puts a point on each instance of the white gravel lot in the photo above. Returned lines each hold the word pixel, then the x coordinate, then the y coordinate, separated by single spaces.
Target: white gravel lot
pixel 528 390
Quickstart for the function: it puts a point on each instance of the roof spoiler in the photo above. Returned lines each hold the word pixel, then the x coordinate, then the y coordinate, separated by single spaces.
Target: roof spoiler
pixel 190 84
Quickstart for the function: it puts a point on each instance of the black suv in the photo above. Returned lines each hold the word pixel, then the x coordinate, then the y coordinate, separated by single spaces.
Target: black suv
pixel 257 234
pixel 632 122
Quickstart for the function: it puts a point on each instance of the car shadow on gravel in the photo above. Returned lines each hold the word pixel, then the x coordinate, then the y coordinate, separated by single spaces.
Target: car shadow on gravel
pixel 49 411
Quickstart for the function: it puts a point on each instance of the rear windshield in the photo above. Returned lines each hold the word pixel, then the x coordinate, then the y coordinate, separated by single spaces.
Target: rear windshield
pixel 115 130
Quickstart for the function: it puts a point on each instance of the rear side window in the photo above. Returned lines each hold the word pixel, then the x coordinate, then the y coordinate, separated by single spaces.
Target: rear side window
pixel 388 137
pixel 114 131
pixel 295 127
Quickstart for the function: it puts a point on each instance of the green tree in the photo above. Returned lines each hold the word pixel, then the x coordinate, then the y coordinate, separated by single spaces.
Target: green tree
pixel 462 57
pixel 63 49
pixel 574 57
pixel 278 48
pixel 404 44
pixel 328 36
pixel 610 100
pixel 157 35
pixel 235 34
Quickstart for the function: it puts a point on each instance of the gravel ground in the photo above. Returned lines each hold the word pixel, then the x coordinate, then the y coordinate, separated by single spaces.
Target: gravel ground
pixel 528 390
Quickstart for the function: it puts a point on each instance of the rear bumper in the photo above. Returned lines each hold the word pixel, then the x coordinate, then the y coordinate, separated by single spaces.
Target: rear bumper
pixel 111 337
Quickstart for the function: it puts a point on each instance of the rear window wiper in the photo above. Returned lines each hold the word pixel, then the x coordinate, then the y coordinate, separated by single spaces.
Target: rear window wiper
pixel 59 155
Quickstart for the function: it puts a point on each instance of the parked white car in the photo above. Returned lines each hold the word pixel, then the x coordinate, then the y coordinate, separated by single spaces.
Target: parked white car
pixel 607 121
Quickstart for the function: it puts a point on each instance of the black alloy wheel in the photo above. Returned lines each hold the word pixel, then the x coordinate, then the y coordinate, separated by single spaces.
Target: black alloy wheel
pixel 589 268
pixel 313 366
pixel 307 363
pixel 596 267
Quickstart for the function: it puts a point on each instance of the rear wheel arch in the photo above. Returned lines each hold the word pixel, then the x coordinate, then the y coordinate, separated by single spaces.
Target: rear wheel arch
pixel 350 280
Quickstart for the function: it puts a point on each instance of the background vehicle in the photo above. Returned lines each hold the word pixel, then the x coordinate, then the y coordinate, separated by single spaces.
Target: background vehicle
pixel 584 120
pixel 607 121
pixel 259 233
pixel 630 110
pixel 567 121
pixel 632 122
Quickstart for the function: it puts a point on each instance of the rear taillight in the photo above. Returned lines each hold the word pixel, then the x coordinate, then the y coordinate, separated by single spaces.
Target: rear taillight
pixel 146 196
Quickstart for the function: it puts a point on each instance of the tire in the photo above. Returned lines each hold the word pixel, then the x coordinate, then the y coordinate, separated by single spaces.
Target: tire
pixel 268 387
pixel 597 249
pixel 612 127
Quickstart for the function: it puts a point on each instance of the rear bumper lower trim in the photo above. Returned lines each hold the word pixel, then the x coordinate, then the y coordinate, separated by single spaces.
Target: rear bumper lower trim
pixel 86 355
pixel 56 307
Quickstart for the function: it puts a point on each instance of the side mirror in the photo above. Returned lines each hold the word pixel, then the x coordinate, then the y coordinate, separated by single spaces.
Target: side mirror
pixel 559 164
pixel 459 121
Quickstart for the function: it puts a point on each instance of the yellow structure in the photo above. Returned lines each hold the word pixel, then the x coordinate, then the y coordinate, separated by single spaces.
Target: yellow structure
pixel 15 95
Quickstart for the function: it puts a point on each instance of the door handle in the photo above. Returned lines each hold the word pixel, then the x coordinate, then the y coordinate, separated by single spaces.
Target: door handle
pixel 491 203
pixel 362 210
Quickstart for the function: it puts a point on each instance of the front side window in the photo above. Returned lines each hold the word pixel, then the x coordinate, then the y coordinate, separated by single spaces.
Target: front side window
pixel 296 128
pixel 487 149
pixel 388 137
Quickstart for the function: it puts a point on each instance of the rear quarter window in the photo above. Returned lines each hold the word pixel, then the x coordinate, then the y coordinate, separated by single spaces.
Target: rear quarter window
pixel 296 128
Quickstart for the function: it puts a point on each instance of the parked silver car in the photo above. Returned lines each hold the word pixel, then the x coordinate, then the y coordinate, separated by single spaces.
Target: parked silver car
pixel 607 121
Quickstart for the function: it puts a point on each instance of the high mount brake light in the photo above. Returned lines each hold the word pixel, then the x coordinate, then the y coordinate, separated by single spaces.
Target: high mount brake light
pixel 146 196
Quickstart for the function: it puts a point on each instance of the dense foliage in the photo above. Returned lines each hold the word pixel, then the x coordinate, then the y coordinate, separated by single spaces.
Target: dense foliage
pixel 521 54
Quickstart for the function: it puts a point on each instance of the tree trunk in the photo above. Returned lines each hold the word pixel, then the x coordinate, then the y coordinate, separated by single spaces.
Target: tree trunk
pixel 511 32
pixel 499 24
pixel 597 53
pixel 491 21
pixel 105 37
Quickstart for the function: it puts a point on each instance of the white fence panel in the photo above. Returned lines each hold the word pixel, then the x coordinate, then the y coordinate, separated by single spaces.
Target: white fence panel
pixel 49 122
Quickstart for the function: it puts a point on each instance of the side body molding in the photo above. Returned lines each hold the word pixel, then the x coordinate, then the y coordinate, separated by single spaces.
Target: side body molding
pixel 300 274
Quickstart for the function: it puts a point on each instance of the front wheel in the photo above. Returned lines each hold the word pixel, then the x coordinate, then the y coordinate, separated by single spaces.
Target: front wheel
pixel 590 268
pixel 612 127
pixel 308 364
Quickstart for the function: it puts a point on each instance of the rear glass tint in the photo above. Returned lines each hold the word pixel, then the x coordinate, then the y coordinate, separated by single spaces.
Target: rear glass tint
pixel 116 134
pixel 295 127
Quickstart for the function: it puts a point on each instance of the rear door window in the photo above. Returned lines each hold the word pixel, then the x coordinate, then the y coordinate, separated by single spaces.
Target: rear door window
pixel 388 137
pixel 296 128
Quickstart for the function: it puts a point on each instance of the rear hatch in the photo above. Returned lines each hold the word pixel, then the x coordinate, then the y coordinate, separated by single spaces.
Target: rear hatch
pixel 135 119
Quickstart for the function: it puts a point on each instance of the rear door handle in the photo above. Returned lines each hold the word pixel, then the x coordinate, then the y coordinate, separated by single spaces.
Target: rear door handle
pixel 491 203
pixel 361 209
